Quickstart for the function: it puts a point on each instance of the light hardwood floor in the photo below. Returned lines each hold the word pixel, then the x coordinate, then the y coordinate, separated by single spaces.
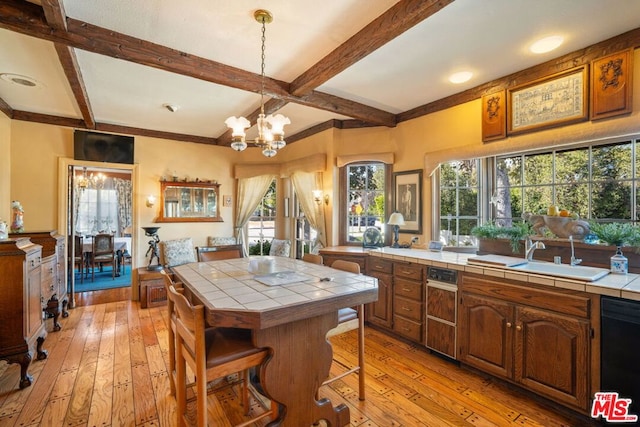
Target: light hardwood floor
pixel 108 367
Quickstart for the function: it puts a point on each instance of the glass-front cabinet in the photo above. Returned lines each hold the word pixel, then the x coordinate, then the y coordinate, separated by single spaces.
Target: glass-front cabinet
pixel 189 202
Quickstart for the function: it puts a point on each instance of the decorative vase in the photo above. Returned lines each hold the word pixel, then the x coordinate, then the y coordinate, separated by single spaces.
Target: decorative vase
pixel 619 262
pixel 17 224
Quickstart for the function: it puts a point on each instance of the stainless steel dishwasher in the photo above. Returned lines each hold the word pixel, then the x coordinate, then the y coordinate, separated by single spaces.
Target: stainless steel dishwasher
pixel 620 349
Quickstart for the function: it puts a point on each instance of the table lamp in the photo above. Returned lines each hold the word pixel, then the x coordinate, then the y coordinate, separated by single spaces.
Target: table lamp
pixel 396 219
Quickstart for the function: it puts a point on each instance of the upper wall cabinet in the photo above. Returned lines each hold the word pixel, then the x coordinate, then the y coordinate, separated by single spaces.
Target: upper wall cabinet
pixel 189 202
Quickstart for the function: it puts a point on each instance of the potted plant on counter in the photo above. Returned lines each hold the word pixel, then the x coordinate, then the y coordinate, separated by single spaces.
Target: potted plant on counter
pixel 491 231
pixel 617 234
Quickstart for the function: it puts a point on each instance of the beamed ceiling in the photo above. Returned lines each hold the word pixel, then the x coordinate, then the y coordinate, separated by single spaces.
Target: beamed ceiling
pixel 111 65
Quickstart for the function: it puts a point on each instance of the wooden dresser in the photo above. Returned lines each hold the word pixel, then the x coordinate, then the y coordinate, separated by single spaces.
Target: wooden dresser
pixel 21 327
pixel 53 281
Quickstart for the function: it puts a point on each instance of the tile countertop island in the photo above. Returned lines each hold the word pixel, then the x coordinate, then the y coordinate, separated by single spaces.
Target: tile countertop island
pixel 615 285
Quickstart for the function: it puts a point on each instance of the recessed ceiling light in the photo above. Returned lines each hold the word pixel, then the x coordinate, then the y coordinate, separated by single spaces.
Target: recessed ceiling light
pixel 460 77
pixel 546 44
pixel 20 80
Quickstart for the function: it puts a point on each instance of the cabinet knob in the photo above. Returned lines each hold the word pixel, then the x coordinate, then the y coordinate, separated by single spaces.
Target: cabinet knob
pixel 518 328
pixel 508 324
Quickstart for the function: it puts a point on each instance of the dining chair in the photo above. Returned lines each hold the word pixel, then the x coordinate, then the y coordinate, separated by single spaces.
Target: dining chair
pixel 350 319
pixel 313 258
pixel 102 252
pixel 211 353
pixel 78 256
pixel 168 283
pixel 213 253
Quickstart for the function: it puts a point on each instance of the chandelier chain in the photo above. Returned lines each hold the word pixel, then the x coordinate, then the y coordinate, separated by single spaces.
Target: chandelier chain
pixel 262 58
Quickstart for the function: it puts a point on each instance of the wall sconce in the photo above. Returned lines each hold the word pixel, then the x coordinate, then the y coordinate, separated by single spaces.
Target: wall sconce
pixel 317 197
pixel 151 200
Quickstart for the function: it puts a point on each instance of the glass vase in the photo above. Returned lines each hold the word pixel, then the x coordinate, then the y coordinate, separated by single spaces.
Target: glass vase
pixel 619 262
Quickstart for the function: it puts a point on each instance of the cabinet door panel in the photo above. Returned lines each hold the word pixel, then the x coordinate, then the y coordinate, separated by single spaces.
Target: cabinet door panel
pixel 552 356
pixel 380 311
pixel 407 308
pixel 408 289
pixel 487 339
pixel 441 304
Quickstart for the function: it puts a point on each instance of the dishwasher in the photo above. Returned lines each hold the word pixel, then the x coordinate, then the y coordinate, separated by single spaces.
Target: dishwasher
pixel 620 349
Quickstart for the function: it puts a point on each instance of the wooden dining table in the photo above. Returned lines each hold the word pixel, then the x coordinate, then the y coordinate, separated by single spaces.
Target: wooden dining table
pixel 289 310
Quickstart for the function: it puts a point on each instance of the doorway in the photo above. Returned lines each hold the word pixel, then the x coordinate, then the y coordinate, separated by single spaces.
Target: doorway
pixel 98 199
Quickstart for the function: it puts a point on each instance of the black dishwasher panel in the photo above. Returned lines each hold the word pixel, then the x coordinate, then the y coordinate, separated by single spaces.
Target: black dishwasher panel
pixel 620 349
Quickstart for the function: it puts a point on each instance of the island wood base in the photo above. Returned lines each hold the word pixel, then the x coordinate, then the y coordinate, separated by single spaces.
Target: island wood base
pixel 301 349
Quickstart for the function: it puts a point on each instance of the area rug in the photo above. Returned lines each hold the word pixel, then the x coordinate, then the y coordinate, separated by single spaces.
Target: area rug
pixel 103 280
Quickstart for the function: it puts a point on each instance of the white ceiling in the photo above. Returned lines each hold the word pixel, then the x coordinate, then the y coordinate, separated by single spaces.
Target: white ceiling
pixel 488 37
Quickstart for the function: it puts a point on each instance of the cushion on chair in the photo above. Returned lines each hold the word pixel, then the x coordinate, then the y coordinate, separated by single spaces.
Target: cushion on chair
pixel 220 241
pixel 280 247
pixel 346 314
pixel 178 252
pixel 226 344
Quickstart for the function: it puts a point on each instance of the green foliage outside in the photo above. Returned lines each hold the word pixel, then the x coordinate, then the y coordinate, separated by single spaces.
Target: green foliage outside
pixel 255 249
pixel 616 233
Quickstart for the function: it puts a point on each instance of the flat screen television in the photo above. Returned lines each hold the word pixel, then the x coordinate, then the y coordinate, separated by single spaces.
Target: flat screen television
pixel 102 147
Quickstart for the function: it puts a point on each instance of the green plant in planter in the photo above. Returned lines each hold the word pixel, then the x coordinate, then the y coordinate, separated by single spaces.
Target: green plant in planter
pixel 517 232
pixel 616 233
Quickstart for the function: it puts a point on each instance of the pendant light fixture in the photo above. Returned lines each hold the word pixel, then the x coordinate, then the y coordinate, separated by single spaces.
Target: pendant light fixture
pixel 270 128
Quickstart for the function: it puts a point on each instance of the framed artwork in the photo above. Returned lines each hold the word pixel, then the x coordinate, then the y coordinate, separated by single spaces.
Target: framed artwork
pixel 611 85
pixel 494 116
pixel 226 201
pixel 552 101
pixel 408 199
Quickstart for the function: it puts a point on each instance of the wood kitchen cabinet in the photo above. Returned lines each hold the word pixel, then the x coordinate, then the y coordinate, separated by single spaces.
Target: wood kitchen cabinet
pixel 380 312
pixel 538 338
pixel 441 318
pixel 408 300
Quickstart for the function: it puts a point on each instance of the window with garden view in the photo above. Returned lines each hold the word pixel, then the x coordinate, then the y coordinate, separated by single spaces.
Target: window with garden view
pixel 459 202
pixel 599 182
pixel 365 199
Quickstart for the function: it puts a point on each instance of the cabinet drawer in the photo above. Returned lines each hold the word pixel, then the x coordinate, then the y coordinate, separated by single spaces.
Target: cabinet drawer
pixel 379 264
pixel 408 289
pixel 408 328
pixel 441 337
pixel 34 260
pixel 408 308
pixel 408 271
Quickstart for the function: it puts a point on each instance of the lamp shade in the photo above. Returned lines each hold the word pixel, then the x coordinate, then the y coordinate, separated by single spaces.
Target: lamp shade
pixel 396 218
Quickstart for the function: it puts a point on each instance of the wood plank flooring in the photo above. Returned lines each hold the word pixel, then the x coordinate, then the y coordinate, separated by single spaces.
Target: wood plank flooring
pixel 108 367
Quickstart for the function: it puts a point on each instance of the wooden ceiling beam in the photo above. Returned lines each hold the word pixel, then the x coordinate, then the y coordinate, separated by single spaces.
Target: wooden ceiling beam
pixel 29 19
pixel 6 108
pixel 57 19
pixel 399 18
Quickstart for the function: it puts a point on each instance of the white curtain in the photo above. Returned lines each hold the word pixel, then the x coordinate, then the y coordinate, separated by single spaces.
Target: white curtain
pixel 250 193
pixel 304 183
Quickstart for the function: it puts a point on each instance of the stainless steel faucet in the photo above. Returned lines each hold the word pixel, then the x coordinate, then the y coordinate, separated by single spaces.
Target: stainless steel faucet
pixel 574 260
pixel 530 247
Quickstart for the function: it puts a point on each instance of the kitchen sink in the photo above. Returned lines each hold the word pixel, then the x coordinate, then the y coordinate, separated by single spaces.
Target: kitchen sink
pixel 577 272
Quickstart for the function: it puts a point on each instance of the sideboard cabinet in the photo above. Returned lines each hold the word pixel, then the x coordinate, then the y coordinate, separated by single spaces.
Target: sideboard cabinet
pixel 22 330
pixel 53 280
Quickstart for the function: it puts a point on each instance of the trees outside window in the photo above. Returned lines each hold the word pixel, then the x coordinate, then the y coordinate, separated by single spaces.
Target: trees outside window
pixel 365 199
pixel 596 182
pixel 459 202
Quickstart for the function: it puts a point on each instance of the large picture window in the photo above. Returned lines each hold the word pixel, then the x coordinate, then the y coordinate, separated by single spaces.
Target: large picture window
pixel 597 182
pixel 261 226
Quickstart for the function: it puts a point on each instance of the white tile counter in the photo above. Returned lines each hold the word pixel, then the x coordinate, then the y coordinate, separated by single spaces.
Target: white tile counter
pixel 615 285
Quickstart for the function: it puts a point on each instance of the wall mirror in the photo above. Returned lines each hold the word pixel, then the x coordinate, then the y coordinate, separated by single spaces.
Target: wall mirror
pixel 189 202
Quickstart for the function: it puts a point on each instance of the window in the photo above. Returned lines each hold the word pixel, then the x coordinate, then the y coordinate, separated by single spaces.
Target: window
pixel 593 182
pixel 261 226
pixel 304 233
pixel 365 194
pixel 459 202
pixel 97 211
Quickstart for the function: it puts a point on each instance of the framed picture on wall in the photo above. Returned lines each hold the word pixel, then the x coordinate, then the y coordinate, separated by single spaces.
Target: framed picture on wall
pixel 407 199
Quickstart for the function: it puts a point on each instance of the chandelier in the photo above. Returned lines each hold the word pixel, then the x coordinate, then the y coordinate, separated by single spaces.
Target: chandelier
pixel 85 181
pixel 270 128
